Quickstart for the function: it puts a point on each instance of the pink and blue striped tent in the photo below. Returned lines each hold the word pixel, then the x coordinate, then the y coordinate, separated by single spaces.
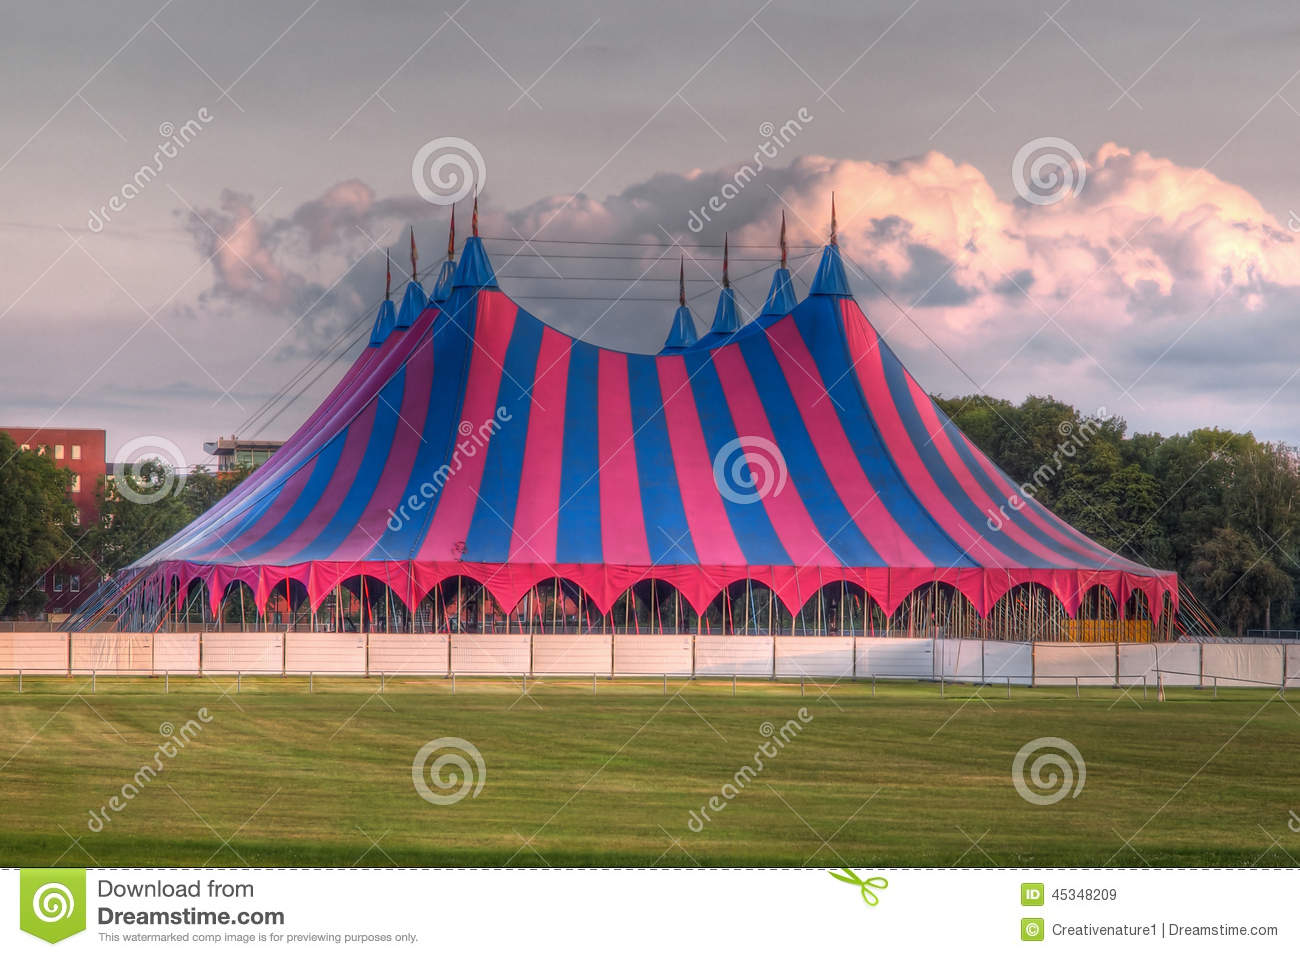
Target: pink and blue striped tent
pixel 472 439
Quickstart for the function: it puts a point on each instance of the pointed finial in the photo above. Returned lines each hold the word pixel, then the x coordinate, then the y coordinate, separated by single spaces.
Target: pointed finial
pixel 473 222
pixel 388 275
pixel 784 251
pixel 451 236
pixel 834 237
pixel 726 277
pixel 681 283
pixel 415 257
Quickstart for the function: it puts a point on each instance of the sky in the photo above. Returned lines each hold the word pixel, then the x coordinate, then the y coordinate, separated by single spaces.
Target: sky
pixel 1092 200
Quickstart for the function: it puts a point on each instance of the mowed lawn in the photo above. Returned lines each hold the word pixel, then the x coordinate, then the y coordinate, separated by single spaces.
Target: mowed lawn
pixel 280 776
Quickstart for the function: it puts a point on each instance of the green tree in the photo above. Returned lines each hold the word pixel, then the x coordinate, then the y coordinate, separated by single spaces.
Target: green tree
pixel 1237 579
pixel 34 511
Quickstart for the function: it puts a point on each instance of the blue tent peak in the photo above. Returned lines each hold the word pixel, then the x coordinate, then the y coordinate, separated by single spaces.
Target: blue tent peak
pixel 726 320
pixel 682 335
pixel 474 270
pixel 442 285
pixel 830 279
pixel 413 304
pixel 781 299
pixel 384 323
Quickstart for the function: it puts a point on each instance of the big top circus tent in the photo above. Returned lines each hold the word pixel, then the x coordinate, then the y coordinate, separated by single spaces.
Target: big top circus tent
pixel 478 469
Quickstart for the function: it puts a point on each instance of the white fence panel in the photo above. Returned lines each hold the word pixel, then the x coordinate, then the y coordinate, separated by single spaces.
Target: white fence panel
pixel 325 653
pixel 814 657
pixel 1009 661
pixel 34 652
pixel 254 652
pixel 489 654
pixel 1253 666
pixel 572 654
pixel 653 654
pixel 896 657
pixel 733 655
pixel 1177 663
pixel 1291 654
pixel 959 659
pixel 176 653
pixel 410 654
pixel 1061 664
pixel 112 653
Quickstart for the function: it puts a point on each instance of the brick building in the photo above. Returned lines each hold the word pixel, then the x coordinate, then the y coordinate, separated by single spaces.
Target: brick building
pixel 82 452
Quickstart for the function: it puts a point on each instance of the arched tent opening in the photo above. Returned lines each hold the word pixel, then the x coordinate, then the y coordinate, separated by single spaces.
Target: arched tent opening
pixel 239 611
pixel 462 605
pixel 652 607
pixel 840 608
pixel 191 609
pixel 935 610
pixel 288 607
pixel 1137 608
pixel 1028 612
pixel 746 607
pixel 1165 627
pixel 558 606
pixel 1097 618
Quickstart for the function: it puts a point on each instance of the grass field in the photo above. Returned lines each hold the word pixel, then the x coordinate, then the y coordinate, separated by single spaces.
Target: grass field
pixel 902 777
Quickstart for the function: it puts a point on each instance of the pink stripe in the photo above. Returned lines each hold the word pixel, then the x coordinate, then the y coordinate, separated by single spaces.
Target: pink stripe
pixel 622 519
pixel 938 437
pixel 706 515
pixel 790 519
pixel 456 503
pixel 537 511
pixel 864 351
pixel 851 484
pixel 407 438
pixel 284 499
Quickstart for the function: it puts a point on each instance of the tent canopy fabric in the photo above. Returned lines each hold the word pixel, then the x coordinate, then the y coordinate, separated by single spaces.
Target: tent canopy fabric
pixel 470 438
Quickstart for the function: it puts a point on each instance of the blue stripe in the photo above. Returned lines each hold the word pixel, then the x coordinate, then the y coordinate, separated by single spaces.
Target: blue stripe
pixel 749 522
pixel 327 461
pixel 823 335
pixel 666 530
pixel 492 525
pixel 578 535
pixel 378 445
pixel 831 516
pixel 450 344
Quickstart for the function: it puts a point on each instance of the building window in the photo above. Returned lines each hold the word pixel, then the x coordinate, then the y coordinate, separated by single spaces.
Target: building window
pixel 58 451
pixel 74 583
pixel 25 447
pixel 76 452
pixel 76 483
pixel 58 583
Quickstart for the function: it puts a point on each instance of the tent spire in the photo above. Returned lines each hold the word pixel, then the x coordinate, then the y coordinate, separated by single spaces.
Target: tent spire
pixel 726 277
pixel 681 283
pixel 473 223
pixel 784 251
pixel 388 275
pixel 415 257
pixel 834 231
pixel 451 235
